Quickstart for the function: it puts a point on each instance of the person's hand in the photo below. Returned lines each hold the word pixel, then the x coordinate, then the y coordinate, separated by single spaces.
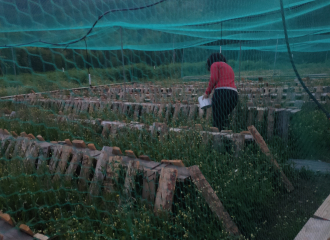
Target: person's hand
pixel 205 96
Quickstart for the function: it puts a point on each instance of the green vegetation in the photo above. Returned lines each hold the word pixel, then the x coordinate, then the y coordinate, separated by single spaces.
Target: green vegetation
pixel 248 186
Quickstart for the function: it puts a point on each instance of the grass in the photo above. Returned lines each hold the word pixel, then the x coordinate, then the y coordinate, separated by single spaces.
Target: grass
pixel 164 74
pixel 248 186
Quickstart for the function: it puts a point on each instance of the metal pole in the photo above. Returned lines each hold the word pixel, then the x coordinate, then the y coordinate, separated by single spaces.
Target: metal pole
pixel 12 52
pixel 275 57
pixel 173 52
pixel 240 50
pixel 122 57
pixel 221 38
pixel 182 63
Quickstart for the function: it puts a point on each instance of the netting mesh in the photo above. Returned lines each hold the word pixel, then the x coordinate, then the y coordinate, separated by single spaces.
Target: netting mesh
pixel 103 134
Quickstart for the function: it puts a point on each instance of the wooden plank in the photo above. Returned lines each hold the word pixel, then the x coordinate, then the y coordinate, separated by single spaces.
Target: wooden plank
pixel 11 233
pixel 10 149
pixel 75 161
pixel 65 155
pixel 209 113
pixel 112 173
pixel 129 184
pixel 55 158
pixel 149 185
pixel 31 155
pixel 271 121
pixel 178 163
pixel 251 116
pixel 192 112
pixel 324 210
pixel 86 166
pixel 98 175
pixel 314 229
pixel 260 115
pixel 165 191
pixel 264 148
pixel 44 150
pixel 282 123
pixel 212 200
pixel 239 141
pixel 176 111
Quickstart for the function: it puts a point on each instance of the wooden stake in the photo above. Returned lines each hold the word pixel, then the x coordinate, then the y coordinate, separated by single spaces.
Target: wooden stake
pixel 84 172
pixel 149 185
pixel 263 146
pixel 165 191
pixel 112 173
pixel 132 169
pixel 212 200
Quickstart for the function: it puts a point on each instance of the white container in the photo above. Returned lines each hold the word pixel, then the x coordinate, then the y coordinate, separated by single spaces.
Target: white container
pixel 204 103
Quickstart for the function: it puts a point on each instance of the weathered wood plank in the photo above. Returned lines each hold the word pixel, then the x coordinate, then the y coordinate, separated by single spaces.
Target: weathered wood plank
pixel 165 191
pixel 264 148
pixel 129 184
pixel 314 229
pixel 55 158
pixel 149 185
pixel 66 152
pixel 86 166
pixel 270 123
pixel 324 210
pixel 75 161
pixel 98 175
pixel 112 173
pixel 212 200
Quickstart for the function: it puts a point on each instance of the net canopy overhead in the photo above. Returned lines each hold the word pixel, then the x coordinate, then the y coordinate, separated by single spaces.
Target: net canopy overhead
pixel 103 133
pixel 164 25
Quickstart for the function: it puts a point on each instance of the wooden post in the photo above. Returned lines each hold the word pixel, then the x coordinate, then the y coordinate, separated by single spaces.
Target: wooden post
pixel 263 146
pixel 239 141
pixel 165 191
pixel 84 172
pixel 98 175
pixel 132 169
pixel 282 123
pixel 112 173
pixel 75 161
pixel 270 124
pixel 212 200
pixel 66 153
pixel 32 155
pixel 149 185
pixel 208 113
pixel 192 112
pixel 55 158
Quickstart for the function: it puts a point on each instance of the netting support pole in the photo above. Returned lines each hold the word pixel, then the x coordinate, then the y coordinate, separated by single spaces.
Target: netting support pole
pixel 221 38
pixel 12 52
pixel 240 54
pixel 182 63
pixel 294 66
pixel 275 56
pixel 122 57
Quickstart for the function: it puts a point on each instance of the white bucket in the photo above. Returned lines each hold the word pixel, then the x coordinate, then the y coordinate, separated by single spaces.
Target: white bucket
pixel 204 103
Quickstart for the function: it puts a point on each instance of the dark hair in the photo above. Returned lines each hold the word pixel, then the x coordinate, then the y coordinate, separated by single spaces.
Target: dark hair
pixel 215 57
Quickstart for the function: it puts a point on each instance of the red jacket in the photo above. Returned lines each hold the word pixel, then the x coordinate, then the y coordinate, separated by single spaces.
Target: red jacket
pixel 222 75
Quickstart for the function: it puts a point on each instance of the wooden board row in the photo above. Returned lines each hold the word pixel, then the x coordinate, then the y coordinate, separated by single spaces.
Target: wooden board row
pixel 8 230
pixel 277 119
pixel 62 161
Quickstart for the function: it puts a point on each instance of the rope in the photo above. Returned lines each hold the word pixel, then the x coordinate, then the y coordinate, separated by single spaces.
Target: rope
pixel 294 66
pixel 90 30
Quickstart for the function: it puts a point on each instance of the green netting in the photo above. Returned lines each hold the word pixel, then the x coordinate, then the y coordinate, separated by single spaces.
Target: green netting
pixel 102 135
